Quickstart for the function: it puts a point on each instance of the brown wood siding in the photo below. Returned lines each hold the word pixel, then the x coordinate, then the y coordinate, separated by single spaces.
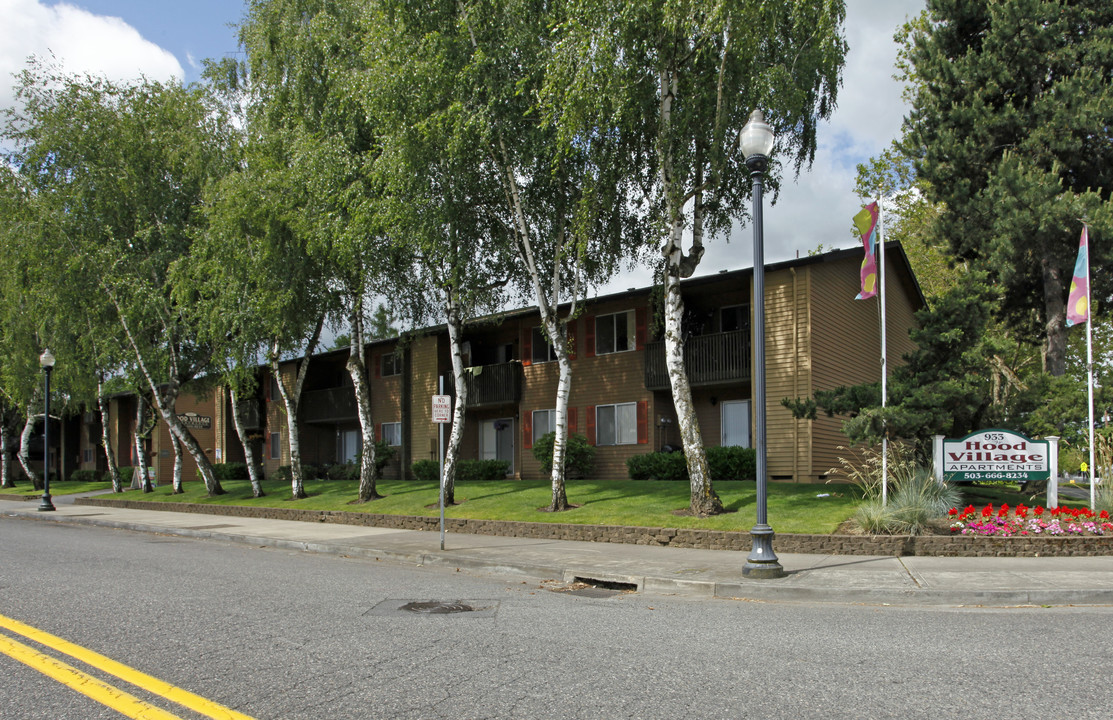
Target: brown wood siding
pixel 846 343
pixel 786 372
pixel 424 353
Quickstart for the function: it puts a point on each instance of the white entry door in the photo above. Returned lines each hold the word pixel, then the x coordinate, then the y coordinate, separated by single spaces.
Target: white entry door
pixel 496 440
pixel 736 423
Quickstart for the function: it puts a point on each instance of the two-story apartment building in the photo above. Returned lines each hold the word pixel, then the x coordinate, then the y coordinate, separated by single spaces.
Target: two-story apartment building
pixel 817 337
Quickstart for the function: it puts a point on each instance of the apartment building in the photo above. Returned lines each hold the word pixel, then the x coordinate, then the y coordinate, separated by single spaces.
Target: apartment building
pixel 817 337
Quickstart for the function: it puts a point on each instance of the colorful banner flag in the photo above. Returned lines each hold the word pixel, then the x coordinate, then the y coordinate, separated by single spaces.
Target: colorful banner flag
pixel 866 222
pixel 1078 302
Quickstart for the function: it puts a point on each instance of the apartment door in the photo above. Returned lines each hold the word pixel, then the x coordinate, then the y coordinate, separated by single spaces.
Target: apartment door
pixel 736 423
pixel 496 440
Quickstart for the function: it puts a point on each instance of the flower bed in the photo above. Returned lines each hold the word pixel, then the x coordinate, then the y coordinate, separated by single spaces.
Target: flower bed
pixel 1005 521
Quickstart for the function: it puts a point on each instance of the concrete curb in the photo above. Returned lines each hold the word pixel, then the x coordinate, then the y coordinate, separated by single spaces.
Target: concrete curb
pixel 789 589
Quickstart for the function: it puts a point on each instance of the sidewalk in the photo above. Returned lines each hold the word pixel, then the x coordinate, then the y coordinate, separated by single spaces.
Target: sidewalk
pixel 941 581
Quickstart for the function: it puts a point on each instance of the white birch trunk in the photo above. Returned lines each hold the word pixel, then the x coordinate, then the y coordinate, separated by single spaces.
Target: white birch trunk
pixel 357 369
pixel 6 480
pixel 141 470
pixel 177 445
pixel 291 397
pixel 703 499
pixel 452 452
pixel 165 402
pixel 109 452
pixel 248 451
pixel 25 451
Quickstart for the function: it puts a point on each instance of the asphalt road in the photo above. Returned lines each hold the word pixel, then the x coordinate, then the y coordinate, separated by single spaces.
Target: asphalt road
pixel 280 634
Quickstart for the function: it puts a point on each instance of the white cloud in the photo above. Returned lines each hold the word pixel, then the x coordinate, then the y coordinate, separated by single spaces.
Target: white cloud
pixel 80 41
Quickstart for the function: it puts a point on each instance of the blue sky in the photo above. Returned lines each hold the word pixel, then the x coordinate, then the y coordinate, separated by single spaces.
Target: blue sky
pixel 192 30
pixel 126 38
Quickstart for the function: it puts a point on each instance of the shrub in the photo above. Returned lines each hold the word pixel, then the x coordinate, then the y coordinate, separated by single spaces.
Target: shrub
pixel 480 470
pixel 84 476
pixel 126 473
pixel 658 466
pixel 342 471
pixel 579 458
pixel 383 454
pixel 426 470
pixel 466 470
pixel 732 463
pixel 230 471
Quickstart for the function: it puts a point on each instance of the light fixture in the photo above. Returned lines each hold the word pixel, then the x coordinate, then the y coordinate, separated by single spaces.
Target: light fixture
pixel 757 142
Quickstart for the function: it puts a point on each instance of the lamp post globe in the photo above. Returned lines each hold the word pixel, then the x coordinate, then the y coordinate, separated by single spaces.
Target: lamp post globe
pixel 46 361
pixel 756 140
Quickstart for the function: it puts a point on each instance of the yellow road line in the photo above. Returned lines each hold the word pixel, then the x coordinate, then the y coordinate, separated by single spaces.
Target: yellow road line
pixel 70 676
pixel 175 694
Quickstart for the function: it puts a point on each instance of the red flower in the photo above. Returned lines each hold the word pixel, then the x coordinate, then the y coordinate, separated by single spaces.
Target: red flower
pixel 1104 515
pixel 1039 510
pixel 987 510
pixel 952 512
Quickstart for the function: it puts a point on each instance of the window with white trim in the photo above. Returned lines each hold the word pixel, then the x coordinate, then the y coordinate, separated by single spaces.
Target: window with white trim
pixel 392 434
pixel 544 422
pixel 616 424
pixel 614 332
pixel 736 423
pixel 390 364
pixel 276 446
pixel 540 348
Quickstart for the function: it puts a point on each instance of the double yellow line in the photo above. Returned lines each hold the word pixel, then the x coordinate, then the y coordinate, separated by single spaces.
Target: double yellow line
pixel 102 692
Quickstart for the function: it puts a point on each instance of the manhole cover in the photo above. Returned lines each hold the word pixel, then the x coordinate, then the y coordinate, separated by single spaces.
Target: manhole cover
pixel 465 608
pixel 433 607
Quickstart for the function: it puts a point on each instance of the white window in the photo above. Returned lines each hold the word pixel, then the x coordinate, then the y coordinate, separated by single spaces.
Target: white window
pixel 349 445
pixel 544 422
pixel 276 446
pixel 392 434
pixel 391 364
pixel 540 349
pixel 614 332
pixel 616 424
pixel 736 423
pixel 276 396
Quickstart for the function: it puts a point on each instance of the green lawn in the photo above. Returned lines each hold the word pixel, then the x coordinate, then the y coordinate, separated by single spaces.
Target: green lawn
pixel 57 487
pixel 792 508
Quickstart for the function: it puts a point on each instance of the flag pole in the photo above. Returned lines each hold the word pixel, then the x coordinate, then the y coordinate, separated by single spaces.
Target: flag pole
pixel 1090 370
pixel 884 354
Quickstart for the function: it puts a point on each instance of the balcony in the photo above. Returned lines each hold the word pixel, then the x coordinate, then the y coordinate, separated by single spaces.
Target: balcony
pixel 248 410
pixel 491 385
pixel 715 359
pixel 331 405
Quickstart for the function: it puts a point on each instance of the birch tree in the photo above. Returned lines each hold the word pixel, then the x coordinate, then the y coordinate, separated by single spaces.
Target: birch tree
pixel 119 172
pixel 561 205
pixel 676 83
pixel 438 205
pixel 302 59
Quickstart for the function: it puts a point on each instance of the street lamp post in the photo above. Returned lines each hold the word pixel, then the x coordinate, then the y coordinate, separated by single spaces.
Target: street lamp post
pixel 46 360
pixel 757 142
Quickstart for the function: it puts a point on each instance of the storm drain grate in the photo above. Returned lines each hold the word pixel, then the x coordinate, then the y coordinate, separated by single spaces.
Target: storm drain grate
pixel 468 608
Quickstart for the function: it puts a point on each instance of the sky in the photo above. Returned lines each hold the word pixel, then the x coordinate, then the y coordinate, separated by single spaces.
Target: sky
pixel 125 39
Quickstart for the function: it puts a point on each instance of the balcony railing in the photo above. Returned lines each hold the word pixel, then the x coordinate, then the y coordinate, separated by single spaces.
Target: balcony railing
pixel 331 405
pixel 499 384
pixel 709 359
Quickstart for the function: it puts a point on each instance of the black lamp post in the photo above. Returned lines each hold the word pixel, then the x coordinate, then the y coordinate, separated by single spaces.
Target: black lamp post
pixel 757 142
pixel 46 360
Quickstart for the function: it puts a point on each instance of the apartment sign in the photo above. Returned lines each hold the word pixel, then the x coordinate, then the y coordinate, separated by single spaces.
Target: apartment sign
pixel 442 408
pixel 996 455
pixel 193 421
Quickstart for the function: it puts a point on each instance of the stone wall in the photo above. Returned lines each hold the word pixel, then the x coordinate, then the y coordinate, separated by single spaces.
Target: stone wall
pixel 938 545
